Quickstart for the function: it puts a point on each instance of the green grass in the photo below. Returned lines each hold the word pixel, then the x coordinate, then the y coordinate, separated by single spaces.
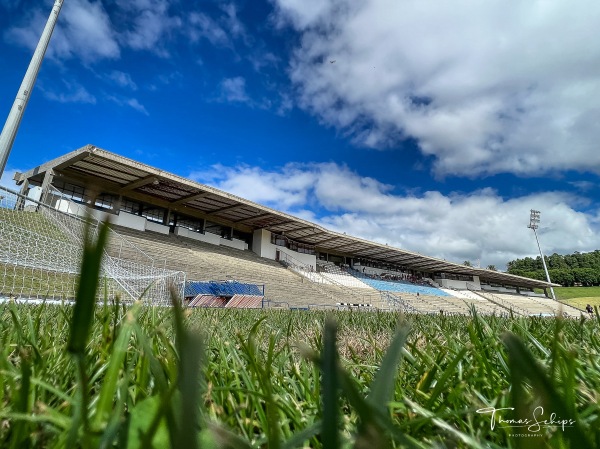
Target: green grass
pixel 577 292
pixel 257 377
pixel 105 376
pixel 578 296
pixel 582 302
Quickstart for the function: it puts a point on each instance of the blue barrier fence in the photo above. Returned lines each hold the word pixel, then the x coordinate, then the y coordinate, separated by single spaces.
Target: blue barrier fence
pixel 222 288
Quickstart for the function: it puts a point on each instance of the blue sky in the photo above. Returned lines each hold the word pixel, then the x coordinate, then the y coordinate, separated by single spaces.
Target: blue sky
pixel 429 127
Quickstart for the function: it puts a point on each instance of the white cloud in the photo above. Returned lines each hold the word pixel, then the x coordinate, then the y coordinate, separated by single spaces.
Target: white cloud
pixel 122 79
pixel 131 102
pixel 203 27
pixel 487 87
pixel 83 32
pixel 219 32
pixel 234 25
pixel 6 180
pixel 234 90
pixel 135 104
pixel 71 93
pixel 151 24
pixel 457 227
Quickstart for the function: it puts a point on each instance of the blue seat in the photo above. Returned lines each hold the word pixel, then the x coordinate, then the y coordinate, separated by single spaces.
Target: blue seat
pixel 398 286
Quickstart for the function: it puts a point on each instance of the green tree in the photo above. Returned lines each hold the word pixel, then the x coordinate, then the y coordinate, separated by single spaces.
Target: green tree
pixel 556 261
pixel 586 276
pixel 563 276
pixel 573 268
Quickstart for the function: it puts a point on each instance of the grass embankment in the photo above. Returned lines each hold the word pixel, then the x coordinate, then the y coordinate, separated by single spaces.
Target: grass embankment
pixel 578 296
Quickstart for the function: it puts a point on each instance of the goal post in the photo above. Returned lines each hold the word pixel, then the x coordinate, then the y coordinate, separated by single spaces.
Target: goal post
pixel 42 249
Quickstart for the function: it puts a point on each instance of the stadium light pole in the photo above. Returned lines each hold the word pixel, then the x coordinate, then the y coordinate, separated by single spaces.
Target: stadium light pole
pixel 534 221
pixel 9 132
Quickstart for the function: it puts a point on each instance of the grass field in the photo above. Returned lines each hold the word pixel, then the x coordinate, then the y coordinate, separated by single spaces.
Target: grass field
pixel 578 296
pixel 107 376
pixel 254 378
pixel 577 292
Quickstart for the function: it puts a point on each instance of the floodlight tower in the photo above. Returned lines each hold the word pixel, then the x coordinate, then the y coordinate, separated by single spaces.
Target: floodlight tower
pixel 534 222
pixel 9 132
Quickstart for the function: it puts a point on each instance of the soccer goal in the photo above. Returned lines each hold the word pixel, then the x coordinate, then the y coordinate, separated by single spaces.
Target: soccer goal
pixel 42 247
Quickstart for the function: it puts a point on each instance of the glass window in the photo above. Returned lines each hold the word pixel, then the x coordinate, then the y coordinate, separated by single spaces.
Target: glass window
pixel 76 193
pixel 154 214
pixel 104 201
pixel 130 206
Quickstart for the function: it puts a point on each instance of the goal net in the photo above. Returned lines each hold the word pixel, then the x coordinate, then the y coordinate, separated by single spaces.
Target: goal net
pixel 42 247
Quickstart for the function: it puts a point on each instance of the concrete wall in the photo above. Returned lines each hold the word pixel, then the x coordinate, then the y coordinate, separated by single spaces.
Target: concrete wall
pixel 460 285
pixel 83 211
pixel 260 240
pixel 66 206
pixel 512 290
pixel 261 245
pixel 157 227
pixel 234 243
pixel 132 221
pixel 207 237
pixel 213 239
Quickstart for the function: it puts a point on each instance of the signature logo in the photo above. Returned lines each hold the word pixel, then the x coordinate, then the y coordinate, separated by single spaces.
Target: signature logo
pixel 533 424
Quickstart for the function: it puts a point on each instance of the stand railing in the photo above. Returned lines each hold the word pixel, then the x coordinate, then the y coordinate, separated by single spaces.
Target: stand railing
pixel 498 301
pixel 397 302
pixel 317 278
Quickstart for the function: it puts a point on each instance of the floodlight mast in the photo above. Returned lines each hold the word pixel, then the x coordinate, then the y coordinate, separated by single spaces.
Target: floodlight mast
pixel 9 132
pixel 534 221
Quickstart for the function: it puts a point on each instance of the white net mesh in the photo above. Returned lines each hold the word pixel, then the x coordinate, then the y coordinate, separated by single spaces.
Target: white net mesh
pixel 41 249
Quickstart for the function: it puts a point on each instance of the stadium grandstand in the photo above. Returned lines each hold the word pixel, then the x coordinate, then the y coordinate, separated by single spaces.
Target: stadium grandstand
pixel 220 250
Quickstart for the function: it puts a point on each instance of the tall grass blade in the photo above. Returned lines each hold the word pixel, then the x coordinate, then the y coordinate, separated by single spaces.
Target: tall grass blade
pixel 329 390
pixel 190 349
pixel 20 437
pixel 523 365
pixel 104 406
pixel 85 301
pixel 382 388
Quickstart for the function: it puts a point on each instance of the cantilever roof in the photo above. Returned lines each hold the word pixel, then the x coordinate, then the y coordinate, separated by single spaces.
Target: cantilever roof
pixel 117 174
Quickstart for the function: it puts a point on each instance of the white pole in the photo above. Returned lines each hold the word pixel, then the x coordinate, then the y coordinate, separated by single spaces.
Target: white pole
pixel 9 132
pixel 544 263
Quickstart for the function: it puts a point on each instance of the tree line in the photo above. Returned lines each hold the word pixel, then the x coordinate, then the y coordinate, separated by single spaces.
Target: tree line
pixel 568 270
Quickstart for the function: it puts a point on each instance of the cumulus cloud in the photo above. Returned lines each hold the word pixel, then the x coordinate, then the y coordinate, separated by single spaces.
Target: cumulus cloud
pixel 84 33
pixel 483 88
pixel 151 23
pixel 479 225
pixel 6 180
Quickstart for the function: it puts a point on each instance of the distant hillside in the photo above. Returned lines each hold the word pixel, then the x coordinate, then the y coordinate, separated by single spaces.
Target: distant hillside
pixel 568 270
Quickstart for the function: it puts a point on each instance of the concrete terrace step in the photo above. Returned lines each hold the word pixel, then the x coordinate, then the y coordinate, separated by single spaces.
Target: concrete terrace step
pixel 202 261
